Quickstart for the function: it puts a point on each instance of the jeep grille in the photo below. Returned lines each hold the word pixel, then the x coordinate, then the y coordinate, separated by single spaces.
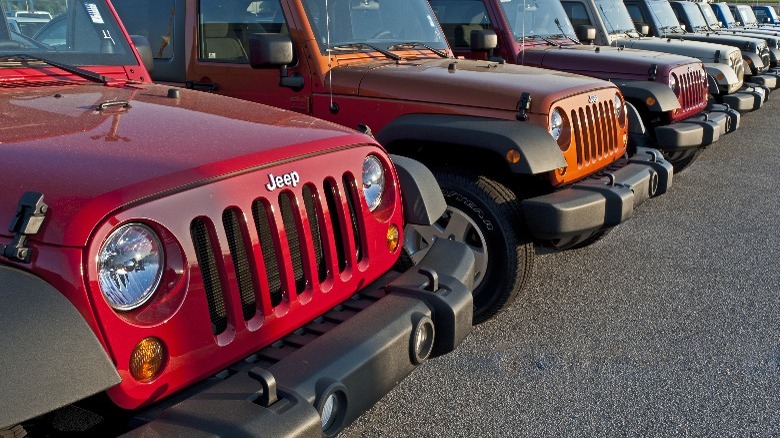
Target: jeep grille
pixel 285 227
pixel 692 94
pixel 595 133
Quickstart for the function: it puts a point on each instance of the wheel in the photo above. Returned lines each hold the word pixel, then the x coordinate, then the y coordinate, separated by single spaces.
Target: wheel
pixel 486 216
pixel 682 159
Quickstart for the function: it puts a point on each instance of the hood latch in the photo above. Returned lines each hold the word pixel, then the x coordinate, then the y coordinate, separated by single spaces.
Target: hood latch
pixel 30 214
pixel 522 106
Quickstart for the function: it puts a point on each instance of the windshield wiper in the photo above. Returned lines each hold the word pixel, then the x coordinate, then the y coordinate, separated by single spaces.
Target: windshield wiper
pixel 549 41
pixel 558 23
pixel 86 74
pixel 348 46
pixel 412 45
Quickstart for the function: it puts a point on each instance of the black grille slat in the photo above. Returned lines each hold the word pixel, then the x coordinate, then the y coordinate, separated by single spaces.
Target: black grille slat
pixel 310 201
pixel 331 197
pixel 205 254
pixel 241 265
pixel 352 202
pixel 293 239
pixel 272 272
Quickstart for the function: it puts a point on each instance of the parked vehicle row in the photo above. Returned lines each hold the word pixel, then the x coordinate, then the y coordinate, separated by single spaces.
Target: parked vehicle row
pixel 185 258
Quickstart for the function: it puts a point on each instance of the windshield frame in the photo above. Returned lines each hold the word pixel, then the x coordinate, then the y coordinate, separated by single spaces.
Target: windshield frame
pixel 620 21
pixel 663 13
pixel 104 43
pixel 554 10
pixel 695 16
pixel 427 20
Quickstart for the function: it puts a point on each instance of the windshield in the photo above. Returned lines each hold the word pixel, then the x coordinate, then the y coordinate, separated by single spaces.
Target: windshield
pixel 616 17
pixel 380 23
pixel 727 15
pixel 709 14
pixel 694 15
pixel 81 33
pixel 527 17
pixel 663 12
pixel 748 17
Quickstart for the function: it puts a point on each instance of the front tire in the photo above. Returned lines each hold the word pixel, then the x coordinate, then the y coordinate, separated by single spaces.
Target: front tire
pixel 486 216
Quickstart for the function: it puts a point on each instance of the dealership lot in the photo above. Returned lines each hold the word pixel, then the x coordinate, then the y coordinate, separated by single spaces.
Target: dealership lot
pixel 670 324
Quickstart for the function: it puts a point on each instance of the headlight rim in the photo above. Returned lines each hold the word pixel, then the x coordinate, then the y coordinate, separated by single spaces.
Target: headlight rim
pixel 564 135
pixel 155 285
pixel 373 206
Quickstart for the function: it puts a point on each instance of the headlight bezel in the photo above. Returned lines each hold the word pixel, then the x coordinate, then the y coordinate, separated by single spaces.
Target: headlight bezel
pixel 369 183
pixel 148 292
pixel 559 127
pixel 620 109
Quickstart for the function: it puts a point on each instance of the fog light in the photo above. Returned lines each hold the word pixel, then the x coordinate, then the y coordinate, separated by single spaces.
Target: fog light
pixel 148 359
pixel 392 238
pixel 328 414
pixel 422 340
pixel 513 156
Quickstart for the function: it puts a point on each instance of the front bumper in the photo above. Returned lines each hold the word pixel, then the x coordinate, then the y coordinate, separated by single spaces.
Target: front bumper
pixel 700 130
pixel 358 361
pixel 569 216
pixel 749 98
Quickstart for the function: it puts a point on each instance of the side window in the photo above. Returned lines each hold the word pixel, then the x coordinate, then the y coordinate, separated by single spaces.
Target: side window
pixel 636 14
pixel 225 27
pixel 577 13
pixel 144 17
pixel 458 18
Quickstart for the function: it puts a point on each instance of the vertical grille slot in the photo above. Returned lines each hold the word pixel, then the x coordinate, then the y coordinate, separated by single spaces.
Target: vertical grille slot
pixel 590 154
pixel 352 203
pixel 204 251
pixel 332 197
pixel 235 237
pixel 286 206
pixel 595 132
pixel 577 136
pixel 310 203
pixel 262 224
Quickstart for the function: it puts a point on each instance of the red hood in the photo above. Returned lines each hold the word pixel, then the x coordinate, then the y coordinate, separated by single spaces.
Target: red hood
pixel 479 84
pixel 604 62
pixel 88 163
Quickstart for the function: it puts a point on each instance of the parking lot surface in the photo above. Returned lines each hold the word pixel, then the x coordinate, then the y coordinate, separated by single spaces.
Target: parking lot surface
pixel 668 325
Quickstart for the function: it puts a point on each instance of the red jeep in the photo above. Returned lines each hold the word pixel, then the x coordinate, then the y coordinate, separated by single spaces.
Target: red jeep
pixel 178 261
pixel 522 154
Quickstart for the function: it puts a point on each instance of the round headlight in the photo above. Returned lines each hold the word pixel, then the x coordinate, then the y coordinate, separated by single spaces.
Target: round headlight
pixel 373 181
pixel 130 265
pixel 556 124
pixel 620 109
pixel 672 82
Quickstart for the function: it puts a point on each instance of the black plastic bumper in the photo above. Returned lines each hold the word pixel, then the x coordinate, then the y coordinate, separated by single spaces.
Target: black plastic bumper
pixel 358 361
pixel 569 216
pixel 747 99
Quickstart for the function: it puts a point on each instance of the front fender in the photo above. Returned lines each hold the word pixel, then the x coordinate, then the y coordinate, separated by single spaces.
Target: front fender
pixel 50 357
pixel 755 64
pixel 665 99
pixel 539 152
pixel 423 201
pixel 724 78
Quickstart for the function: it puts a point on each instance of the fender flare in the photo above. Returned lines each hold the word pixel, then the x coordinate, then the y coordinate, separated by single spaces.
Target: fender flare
pixel 755 62
pixel 539 152
pixel 421 195
pixel 665 99
pixel 50 357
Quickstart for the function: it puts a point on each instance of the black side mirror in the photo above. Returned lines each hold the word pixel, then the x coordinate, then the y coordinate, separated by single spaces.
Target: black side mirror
pixel 270 50
pixel 275 50
pixel 144 50
pixel 483 40
pixel 643 29
pixel 585 32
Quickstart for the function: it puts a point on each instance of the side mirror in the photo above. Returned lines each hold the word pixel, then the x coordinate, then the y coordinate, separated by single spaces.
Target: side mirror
pixel 585 33
pixel 483 40
pixel 643 29
pixel 144 50
pixel 275 50
pixel 270 50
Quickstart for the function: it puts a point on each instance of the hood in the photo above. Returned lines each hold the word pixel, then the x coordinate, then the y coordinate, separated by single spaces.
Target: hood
pixel 744 43
pixel 704 51
pixel 606 62
pixel 89 162
pixel 464 83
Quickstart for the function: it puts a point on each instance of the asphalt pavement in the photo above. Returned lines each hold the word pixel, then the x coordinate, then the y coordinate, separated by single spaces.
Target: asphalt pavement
pixel 669 325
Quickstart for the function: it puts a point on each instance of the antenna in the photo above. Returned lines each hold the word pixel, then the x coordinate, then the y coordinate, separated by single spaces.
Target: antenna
pixel 522 35
pixel 332 108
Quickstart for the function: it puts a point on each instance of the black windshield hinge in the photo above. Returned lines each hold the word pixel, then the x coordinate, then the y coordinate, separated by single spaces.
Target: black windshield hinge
pixel 30 214
pixel 523 106
pixel 652 72
pixel 717 56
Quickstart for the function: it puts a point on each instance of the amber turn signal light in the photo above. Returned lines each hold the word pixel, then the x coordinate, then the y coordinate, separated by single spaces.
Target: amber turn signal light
pixel 650 101
pixel 513 156
pixel 148 359
pixel 392 237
